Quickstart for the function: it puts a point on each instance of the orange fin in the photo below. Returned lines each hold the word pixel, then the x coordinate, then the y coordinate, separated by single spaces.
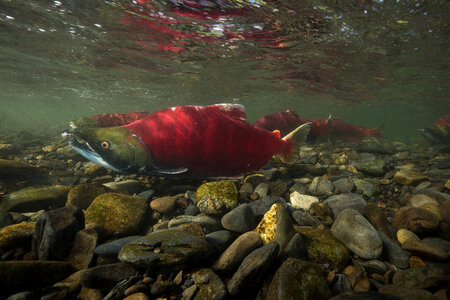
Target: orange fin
pixel 277 133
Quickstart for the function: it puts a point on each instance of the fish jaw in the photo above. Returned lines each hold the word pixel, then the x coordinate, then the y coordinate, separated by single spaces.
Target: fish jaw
pixel 87 152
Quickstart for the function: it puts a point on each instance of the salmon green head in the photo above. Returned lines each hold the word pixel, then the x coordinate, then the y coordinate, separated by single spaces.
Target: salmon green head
pixel 115 148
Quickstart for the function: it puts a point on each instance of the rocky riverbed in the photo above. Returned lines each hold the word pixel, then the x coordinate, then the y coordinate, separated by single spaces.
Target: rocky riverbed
pixel 368 221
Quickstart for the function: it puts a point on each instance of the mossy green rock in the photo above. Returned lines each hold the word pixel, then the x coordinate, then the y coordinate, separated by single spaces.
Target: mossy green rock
pixel 82 195
pixel 9 168
pixel 409 177
pixel 16 234
pixel 117 214
pixel 165 248
pixel 323 247
pixel 298 279
pixel 225 191
pixel 18 276
pixel 375 167
pixel 35 198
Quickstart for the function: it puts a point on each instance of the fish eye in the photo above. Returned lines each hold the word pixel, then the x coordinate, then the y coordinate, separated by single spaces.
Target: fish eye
pixel 105 145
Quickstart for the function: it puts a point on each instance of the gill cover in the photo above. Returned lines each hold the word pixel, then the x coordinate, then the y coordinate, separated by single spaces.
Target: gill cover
pixel 115 148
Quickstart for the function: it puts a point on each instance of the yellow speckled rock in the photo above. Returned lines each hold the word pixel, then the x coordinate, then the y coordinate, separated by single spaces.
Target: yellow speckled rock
pixel 16 234
pixel 117 214
pixel 409 177
pixel 225 191
pixel 276 226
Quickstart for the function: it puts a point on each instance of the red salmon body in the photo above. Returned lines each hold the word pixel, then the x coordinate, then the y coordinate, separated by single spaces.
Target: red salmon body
pixel 209 141
pixel 443 121
pixel 284 121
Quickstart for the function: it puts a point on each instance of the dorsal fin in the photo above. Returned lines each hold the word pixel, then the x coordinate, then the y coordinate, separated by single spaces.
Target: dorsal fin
pixel 232 110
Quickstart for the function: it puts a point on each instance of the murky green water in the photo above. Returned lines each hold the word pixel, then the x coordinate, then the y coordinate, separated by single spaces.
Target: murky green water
pixel 367 62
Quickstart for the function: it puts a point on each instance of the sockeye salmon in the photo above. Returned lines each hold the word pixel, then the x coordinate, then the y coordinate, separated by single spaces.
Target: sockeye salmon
pixel 186 141
pixel 439 131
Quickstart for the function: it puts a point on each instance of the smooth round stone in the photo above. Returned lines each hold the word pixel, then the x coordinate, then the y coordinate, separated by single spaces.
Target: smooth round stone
pixel 374 167
pixel 416 219
pixel 165 248
pixel 230 259
pixel 296 248
pixel 409 293
pixel 378 219
pixel 14 168
pixel 147 195
pixel 409 177
pixel 276 226
pixel 130 186
pixel 35 198
pixel 338 203
pixel 323 248
pixel 137 296
pixel 277 188
pixel 83 248
pixel 366 187
pixel 344 185
pixel 419 200
pixel 253 270
pixel 421 277
pixel 260 191
pixel 365 296
pixel 298 279
pixel 261 206
pixel 211 206
pixel 16 235
pixel 307 155
pixel 404 234
pixel 5 219
pixel 112 248
pixel 208 223
pixel 82 195
pixel 393 253
pixel 425 250
pixel 323 212
pixel 210 286
pixel 118 214
pixel 300 201
pixel 219 240
pixel 225 191
pixel 239 219
pixel 164 205
pixel 17 276
pixel 191 210
pixel 321 186
pixel 354 231
pixel 444 211
pixel 437 242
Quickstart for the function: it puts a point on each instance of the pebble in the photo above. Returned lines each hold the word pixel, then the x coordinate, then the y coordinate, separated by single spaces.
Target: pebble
pixel 378 219
pixel 352 229
pixel 239 219
pixel 232 257
pixel 224 191
pixel 130 186
pixel 416 219
pixel 219 240
pixel 410 293
pixel 298 279
pixel 209 224
pixel 368 189
pixel 16 235
pixel 403 235
pixel 338 203
pixel 117 214
pixel 409 177
pixel 253 269
pixel 300 201
pixel 425 250
pixel 344 185
pixel 112 248
pixel 210 286
pixel 421 277
pixel 82 195
pixel 5 219
pixel 82 251
pixel 371 166
pixel 393 253
pixel 55 232
pixel 164 205
pixel 260 191
pixel 211 206
pixel 321 186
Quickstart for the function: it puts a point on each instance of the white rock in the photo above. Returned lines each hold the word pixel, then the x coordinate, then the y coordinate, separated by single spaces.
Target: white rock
pixel 300 201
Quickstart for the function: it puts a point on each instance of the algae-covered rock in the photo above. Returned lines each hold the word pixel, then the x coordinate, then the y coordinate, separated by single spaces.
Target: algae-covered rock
pixel 323 247
pixel 35 198
pixel 117 214
pixel 298 279
pixel 375 167
pixel 276 226
pixel 82 195
pixel 15 168
pixel 165 248
pixel 409 177
pixel 225 191
pixel 27 275
pixel 16 234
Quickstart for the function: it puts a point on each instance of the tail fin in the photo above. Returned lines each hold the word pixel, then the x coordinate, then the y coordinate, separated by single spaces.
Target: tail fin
pixel 297 137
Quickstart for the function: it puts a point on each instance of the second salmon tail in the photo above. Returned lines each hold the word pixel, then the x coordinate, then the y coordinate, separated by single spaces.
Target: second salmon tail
pixel 297 137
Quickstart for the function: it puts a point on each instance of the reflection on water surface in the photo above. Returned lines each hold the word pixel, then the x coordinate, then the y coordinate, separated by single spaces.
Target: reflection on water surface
pixel 367 62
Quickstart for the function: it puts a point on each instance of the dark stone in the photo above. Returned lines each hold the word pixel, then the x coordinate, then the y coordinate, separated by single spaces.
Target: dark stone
pixel 253 269
pixel 210 286
pixel 344 185
pixel 239 219
pixel 338 203
pixel 420 277
pixel 393 253
pixel 219 240
pixel 296 248
pixel 105 277
pixel 83 248
pixel 416 219
pixel 82 195
pixel 18 276
pixel 365 296
pixel 261 206
pixel 378 219
pixel 409 293
pixel 5 219
pixel 298 279
pixel 55 231
pixel 165 248
pixel 112 248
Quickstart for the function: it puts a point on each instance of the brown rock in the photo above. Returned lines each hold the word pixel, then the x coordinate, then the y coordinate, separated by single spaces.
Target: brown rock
pixel 89 294
pixel 83 248
pixel 416 219
pixel 137 296
pixel 16 235
pixel 425 250
pixel 378 219
pixel 164 205
pixel 409 293
pixel 416 262
pixel 409 177
pixel 357 277
pixel 444 210
pixel 82 195
pixel 194 228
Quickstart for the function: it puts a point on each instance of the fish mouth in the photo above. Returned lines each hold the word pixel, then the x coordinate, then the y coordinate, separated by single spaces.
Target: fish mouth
pixel 83 148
